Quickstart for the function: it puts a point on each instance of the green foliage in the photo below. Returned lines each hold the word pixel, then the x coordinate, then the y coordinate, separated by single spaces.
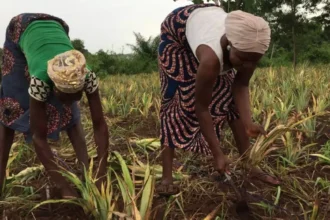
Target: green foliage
pixel 142 60
pixel 289 151
pixel 146 48
pixel 297 37
pixel 79 45
pixel 98 204
pixel 197 1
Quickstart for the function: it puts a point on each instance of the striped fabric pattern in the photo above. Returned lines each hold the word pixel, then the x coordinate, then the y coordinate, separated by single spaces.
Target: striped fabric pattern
pixel 178 68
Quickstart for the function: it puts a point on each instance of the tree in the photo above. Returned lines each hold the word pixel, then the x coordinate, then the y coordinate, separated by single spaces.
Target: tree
pixel 288 19
pixel 290 23
pixel 145 48
pixel 324 17
pixel 105 62
pixel 79 45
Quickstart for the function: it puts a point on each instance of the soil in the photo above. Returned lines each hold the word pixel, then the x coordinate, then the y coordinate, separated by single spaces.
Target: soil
pixel 197 203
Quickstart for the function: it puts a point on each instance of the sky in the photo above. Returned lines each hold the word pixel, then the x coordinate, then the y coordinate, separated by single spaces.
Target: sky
pixel 101 24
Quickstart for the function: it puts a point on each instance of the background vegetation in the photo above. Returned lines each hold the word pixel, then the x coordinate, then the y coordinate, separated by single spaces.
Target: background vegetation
pixel 291 107
pixel 290 98
pixel 300 34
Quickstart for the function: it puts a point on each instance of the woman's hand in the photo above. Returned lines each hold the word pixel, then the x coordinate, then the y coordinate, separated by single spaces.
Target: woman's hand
pixel 38 121
pixel 254 130
pixel 221 164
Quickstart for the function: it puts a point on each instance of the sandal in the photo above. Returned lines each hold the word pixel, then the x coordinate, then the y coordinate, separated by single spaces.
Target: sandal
pixel 167 190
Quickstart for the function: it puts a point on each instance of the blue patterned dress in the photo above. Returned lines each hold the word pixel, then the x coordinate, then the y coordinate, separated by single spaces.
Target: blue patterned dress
pixel 16 81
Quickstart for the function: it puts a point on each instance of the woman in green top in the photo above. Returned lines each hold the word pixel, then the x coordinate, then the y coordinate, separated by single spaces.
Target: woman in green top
pixel 43 78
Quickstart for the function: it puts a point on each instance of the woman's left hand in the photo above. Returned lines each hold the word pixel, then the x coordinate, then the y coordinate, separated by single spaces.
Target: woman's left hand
pixel 254 130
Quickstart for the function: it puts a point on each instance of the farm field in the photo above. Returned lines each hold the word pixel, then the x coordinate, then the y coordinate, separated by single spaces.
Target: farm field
pixel 292 106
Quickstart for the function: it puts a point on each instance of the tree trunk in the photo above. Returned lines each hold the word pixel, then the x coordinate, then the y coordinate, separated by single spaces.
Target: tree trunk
pixel 272 53
pixel 238 3
pixel 294 49
pixel 294 35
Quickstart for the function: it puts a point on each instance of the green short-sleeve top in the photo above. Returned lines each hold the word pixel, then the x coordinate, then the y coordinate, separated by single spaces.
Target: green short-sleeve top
pixel 41 41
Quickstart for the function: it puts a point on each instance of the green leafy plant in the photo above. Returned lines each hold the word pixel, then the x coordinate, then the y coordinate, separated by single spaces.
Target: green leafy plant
pixel 98 204
pixel 128 191
pixel 261 146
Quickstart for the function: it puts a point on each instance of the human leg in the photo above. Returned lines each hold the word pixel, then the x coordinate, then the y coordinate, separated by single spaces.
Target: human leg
pixel 167 163
pixel 6 141
pixel 166 187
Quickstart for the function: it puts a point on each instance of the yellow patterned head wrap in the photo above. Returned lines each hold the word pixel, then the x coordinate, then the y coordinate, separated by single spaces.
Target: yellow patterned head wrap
pixel 67 71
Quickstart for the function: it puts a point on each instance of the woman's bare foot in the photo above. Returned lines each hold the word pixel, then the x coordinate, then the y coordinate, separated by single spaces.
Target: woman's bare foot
pixel 69 193
pixel 167 188
pixel 257 173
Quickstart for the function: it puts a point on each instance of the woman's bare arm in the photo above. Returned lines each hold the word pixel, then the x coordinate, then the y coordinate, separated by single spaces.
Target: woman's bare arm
pixel 38 122
pixel 208 70
pixel 242 100
pixel 100 128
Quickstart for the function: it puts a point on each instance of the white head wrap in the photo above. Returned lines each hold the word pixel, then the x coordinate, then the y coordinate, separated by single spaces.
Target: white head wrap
pixel 67 71
pixel 247 32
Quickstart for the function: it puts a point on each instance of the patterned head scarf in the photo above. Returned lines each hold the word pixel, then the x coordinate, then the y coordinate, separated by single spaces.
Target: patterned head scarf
pixel 67 71
pixel 247 32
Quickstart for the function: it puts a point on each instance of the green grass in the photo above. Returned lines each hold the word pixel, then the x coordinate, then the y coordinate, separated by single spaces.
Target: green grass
pixel 291 106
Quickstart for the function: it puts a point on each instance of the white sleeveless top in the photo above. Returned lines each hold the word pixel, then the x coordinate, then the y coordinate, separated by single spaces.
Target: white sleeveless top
pixel 207 26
